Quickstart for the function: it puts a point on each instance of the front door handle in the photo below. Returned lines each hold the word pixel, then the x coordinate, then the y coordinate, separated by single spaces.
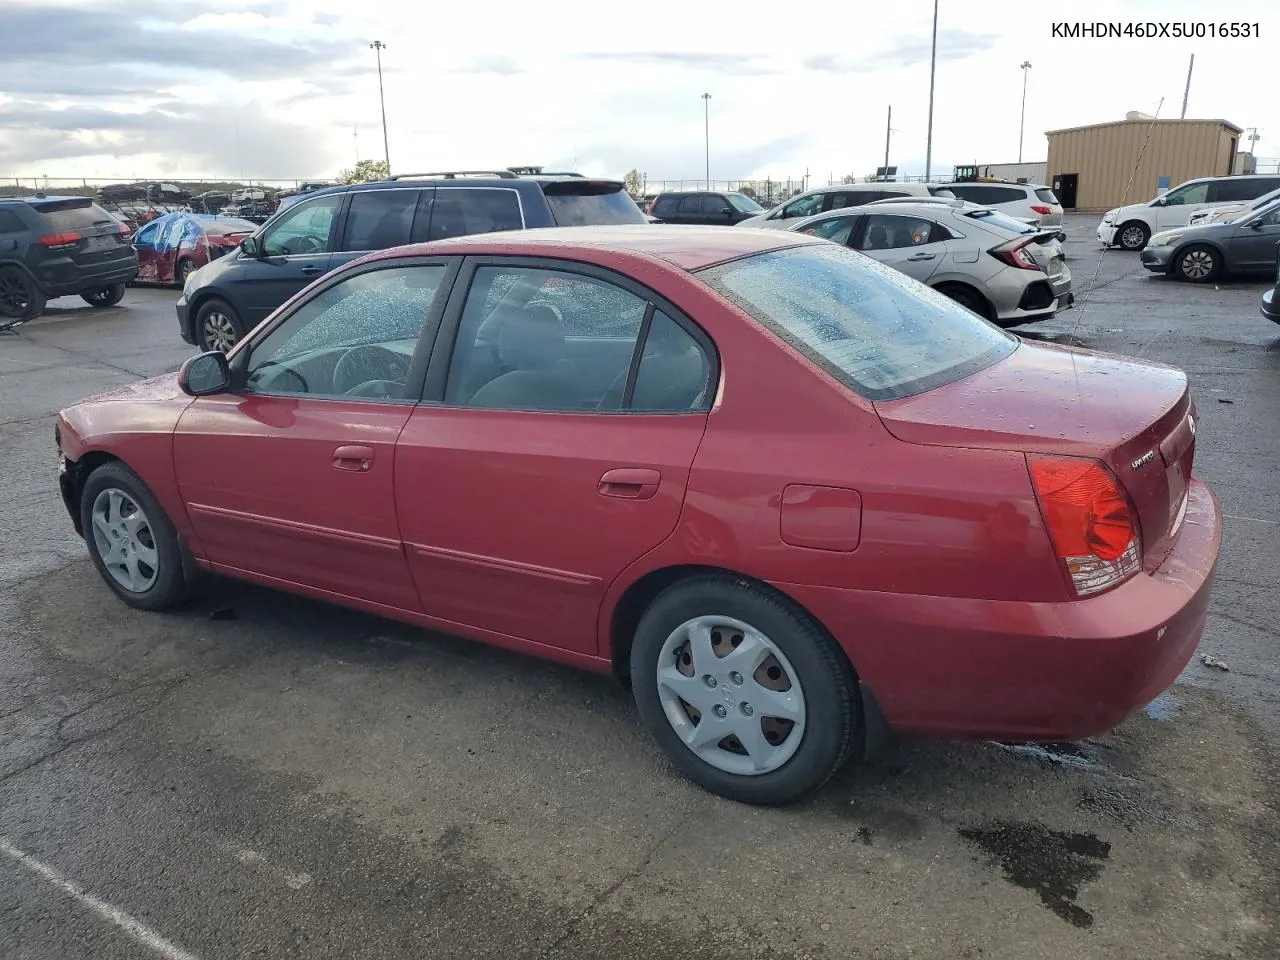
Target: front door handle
pixel 311 270
pixel 922 256
pixel 356 458
pixel 630 483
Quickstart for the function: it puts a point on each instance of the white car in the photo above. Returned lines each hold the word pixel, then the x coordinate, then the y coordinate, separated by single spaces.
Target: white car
pixel 1032 202
pixel 1131 227
pixel 821 199
pixel 1231 211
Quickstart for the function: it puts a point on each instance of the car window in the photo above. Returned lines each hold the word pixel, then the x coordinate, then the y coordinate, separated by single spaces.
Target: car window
pixel 744 204
pixel 836 229
pixel 462 211
pixel 865 323
pixel 577 204
pixel 1195 193
pixel 1045 195
pixel 377 219
pixel 886 232
pixel 690 205
pixel 994 218
pixel 1271 218
pixel 355 339
pixel 304 228
pixel 664 206
pixel 539 339
pixel 147 235
pixel 673 375
pixel 10 222
pixel 804 206
pixel 1008 194
pixel 715 205
pixel 893 194
pixel 74 216
pixel 945 192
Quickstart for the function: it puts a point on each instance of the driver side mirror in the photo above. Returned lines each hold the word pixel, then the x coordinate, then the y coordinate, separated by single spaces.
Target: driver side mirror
pixel 250 247
pixel 206 374
pixel 1159 202
pixel 1256 225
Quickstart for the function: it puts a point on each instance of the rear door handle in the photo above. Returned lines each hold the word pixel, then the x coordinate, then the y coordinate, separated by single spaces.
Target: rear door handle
pixel 356 458
pixel 630 483
pixel 922 256
pixel 310 271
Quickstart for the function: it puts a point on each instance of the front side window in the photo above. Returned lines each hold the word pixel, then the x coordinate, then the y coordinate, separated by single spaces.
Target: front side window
pixel 865 323
pixel 886 232
pixel 355 339
pixel 1195 193
pixel 714 205
pixel 378 219
pixel 804 206
pixel 305 228
pixel 744 204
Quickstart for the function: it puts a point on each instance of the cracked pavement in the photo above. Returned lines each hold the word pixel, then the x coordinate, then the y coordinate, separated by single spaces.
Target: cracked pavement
pixel 261 775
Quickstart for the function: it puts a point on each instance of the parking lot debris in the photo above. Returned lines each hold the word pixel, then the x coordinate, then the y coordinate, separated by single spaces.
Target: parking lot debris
pixel 1225 400
pixel 223 613
pixel 1209 660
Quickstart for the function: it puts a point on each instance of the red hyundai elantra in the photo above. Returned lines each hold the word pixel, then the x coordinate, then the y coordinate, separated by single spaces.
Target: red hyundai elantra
pixel 792 495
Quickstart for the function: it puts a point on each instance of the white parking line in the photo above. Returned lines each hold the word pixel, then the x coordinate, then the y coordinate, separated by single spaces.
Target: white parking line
pixel 134 928
pixel 1252 519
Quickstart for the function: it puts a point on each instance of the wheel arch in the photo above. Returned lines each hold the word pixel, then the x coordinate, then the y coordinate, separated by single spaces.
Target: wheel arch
pixel 942 286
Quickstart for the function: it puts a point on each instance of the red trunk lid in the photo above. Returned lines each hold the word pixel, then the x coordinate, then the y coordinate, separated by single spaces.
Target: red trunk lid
pixel 1135 416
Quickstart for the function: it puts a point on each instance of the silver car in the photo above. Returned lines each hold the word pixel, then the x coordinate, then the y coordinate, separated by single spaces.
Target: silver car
pixel 999 267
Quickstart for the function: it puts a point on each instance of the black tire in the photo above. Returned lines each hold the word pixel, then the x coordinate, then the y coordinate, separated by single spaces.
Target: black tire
pixel 169 586
pixel 1198 263
pixel 218 326
pixel 968 298
pixel 184 269
pixel 1132 235
pixel 20 298
pixel 107 296
pixel 832 715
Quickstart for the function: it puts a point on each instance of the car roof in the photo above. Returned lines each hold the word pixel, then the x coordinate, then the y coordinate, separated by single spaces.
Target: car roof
pixel 463 178
pixel 689 248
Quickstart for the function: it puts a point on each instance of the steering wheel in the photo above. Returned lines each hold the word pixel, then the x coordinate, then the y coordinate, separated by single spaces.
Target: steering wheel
pixel 363 371
pixel 302 245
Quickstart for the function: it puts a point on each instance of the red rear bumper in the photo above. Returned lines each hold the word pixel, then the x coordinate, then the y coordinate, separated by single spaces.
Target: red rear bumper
pixel 955 667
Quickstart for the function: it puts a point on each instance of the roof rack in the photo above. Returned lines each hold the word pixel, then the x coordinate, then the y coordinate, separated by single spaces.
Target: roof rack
pixel 453 174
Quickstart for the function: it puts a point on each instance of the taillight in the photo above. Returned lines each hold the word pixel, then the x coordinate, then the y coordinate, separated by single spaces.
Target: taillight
pixel 1041 209
pixel 122 229
pixel 1016 255
pixel 59 241
pixel 1091 523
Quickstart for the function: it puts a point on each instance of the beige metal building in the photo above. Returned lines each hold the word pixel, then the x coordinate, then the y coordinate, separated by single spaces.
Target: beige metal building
pixel 1098 167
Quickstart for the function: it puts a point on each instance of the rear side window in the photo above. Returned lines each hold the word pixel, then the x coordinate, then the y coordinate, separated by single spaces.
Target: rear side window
pixel 461 211
pixel 10 223
pixel 690 205
pixel 68 219
pixel 865 323
pixel 1045 195
pixel 378 219
pixel 664 206
pixel 1238 189
pixel 994 218
pixel 586 204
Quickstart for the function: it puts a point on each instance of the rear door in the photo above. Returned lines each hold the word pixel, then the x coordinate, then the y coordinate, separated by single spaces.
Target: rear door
pixel 536 472
pixel 913 245
pixel 296 250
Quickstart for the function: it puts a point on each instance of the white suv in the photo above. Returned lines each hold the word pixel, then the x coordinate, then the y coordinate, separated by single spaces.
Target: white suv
pixel 822 199
pixel 1033 203
pixel 1231 211
pixel 1131 227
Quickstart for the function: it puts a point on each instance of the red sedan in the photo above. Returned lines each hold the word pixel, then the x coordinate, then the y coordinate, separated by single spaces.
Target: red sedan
pixel 172 247
pixel 792 495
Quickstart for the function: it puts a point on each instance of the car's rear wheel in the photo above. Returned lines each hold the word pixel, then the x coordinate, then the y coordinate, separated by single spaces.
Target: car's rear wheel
pixel 184 270
pixel 1133 235
pixel 968 298
pixel 1198 264
pixel 20 298
pixel 131 540
pixel 217 326
pixel 747 695
pixel 107 296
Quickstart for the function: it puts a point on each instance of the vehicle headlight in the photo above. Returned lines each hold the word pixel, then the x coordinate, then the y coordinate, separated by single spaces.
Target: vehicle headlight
pixel 1110 215
pixel 1164 239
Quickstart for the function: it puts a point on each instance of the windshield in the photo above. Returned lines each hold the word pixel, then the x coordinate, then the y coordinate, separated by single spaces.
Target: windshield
pixel 744 204
pixel 579 204
pixel 993 218
pixel 869 326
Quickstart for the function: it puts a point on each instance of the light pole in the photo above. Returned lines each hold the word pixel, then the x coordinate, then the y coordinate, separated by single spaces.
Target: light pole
pixel 1022 124
pixel 706 121
pixel 933 65
pixel 377 47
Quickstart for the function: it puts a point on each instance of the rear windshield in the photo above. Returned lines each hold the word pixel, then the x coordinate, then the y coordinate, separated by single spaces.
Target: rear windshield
pixel 743 204
pixel 75 216
pixel 942 192
pixel 230 225
pixel 578 204
pixel 993 218
pixel 1045 195
pixel 869 326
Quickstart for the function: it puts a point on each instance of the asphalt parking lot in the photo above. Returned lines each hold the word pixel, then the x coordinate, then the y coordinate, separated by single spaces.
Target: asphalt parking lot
pixel 263 776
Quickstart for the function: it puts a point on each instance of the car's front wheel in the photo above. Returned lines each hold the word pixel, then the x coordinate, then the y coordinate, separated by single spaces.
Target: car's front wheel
pixel 131 541
pixel 218 327
pixel 1198 264
pixel 1133 235
pixel 107 296
pixel 746 694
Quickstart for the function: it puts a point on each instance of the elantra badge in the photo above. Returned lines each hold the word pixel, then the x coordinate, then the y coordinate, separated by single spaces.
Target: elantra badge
pixel 1143 460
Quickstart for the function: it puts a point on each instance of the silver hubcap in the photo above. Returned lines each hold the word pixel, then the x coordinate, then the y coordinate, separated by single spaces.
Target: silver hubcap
pixel 731 695
pixel 1132 237
pixel 219 332
pixel 1197 264
pixel 124 540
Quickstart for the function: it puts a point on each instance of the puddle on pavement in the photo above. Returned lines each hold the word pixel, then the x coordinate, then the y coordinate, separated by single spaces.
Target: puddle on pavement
pixel 1053 864
pixel 1163 707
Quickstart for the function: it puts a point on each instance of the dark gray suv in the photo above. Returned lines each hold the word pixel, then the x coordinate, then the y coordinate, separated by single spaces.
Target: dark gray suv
pixel 59 246
pixel 224 300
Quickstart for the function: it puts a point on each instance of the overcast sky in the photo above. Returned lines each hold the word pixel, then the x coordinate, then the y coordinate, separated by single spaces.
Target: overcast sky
pixel 275 89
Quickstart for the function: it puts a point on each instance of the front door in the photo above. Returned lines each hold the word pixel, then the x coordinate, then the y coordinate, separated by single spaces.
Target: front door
pixel 1178 204
pixel 556 451
pixel 295 250
pixel 912 245
pixel 1253 243
pixel 291 478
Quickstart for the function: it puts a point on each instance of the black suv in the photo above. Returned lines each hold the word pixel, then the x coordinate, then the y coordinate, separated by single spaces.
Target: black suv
pixel 326 228
pixel 56 246
pixel 704 207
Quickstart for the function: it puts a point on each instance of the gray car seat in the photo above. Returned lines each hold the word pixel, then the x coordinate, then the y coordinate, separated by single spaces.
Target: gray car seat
pixel 532 343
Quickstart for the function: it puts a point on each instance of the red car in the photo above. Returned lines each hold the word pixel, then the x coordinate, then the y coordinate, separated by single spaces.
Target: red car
pixel 790 494
pixel 172 247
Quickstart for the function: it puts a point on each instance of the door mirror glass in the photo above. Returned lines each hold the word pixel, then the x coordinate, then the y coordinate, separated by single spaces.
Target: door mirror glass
pixel 249 247
pixel 205 374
